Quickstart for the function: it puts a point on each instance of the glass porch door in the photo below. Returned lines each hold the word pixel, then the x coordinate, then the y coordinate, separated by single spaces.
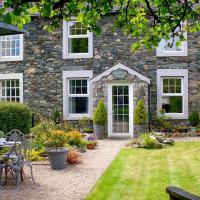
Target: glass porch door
pixel 120 109
pixel 121 112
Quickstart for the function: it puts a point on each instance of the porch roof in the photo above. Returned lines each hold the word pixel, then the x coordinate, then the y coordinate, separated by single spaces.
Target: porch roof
pixel 8 29
pixel 123 67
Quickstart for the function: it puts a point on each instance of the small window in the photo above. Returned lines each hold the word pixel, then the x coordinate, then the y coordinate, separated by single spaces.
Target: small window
pixel 172 96
pixel 170 47
pixel 11 47
pixel 11 87
pixel 78 96
pixel 77 41
pixel 172 92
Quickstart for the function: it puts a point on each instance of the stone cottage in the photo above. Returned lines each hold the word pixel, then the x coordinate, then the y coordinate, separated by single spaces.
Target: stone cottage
pixel 71 69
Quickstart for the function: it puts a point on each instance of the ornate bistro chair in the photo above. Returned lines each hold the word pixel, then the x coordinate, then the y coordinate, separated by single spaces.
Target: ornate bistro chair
pixel 15 135
pixel 19 156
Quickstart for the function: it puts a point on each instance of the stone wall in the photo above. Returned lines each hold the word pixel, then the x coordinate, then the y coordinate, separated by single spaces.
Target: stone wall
pixel 43 64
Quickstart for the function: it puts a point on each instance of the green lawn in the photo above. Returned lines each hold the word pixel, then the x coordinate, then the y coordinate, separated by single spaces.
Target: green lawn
pixel 141 174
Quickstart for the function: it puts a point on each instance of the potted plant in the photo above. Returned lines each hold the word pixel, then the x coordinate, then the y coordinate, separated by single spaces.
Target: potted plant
pixel 55 148
pixel 100 119
pixel 140 117
pixel 91 142
pixel 194 120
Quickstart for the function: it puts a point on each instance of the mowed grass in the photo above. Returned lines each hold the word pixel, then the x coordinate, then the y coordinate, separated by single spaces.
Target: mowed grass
pixel 141 174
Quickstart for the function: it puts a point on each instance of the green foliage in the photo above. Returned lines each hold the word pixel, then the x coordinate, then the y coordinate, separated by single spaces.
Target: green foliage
pixel 84 122
pixel 1 134
pixel 14 116
pixel 147 140
pixel 35 155
pixel 194 118
pixel 100 114
pixel 56 116
pixel 87 130
pixel 140 113
pixel 146 21
pixel 163 122
pixel 74 138
pixel 56 138
pixel 45 126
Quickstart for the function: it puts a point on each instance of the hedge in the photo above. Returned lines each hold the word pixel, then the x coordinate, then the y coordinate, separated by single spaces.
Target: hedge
pixel 14 116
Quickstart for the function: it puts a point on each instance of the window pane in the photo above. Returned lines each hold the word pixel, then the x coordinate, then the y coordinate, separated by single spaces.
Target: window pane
pixel 173 104
pixel 178 85
pixel 77 28
pixel 10 90
pixel 78 105
pixel 78 86
pixel 170 45
pixel 78 45
pixel 10 46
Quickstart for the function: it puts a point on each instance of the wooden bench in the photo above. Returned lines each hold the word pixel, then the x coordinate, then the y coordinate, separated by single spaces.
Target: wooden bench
pixel 179 194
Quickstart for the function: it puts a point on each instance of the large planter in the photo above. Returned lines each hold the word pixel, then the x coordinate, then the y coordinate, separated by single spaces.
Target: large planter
pixel 99 131
pixel 57 157
pixel 138 129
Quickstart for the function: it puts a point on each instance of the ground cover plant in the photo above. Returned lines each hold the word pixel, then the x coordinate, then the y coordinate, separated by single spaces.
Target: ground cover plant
pixel 143 174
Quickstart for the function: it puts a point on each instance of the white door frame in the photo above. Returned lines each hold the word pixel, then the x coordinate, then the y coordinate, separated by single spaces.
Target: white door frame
pixel 131 110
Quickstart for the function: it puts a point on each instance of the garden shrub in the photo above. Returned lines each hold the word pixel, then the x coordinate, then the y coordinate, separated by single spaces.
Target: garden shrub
pixel 100 114
pixel 140 113
pixel 41 129
pixel 147 140
pixel 55 138
pixel 194 118
pixel 15 116
pixel 85 122
pixel 163 122
pixel 74 138
pixel 73 156
pixel 56 116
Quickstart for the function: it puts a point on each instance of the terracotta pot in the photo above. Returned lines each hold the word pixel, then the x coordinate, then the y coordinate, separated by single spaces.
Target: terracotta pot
pixel 91 146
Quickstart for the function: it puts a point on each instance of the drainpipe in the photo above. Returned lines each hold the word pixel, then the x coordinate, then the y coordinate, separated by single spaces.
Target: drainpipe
pixel 149 106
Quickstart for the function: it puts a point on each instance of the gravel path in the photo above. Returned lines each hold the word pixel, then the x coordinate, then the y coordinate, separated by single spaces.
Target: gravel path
pixel 73 183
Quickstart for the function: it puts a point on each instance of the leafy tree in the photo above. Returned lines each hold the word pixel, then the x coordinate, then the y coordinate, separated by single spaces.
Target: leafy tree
pixel 148 21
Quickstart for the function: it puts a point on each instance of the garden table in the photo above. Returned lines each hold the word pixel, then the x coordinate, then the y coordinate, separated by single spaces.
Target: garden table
pixel 8 144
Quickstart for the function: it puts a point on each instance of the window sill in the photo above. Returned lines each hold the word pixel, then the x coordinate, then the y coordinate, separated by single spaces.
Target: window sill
pixel 172 54
pixel 11 59
pixel 72 56
pixel 76 116
pixel 176 115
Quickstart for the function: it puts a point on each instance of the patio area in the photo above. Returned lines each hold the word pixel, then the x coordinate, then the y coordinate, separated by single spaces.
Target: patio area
pixel 73 183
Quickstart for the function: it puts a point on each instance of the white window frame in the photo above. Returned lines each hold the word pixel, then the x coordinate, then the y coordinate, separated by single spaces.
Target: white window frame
pixel 184 44
pixel 14 76
pixel 69 75
pixel 21 51
pixel 66 36
pixel 173 73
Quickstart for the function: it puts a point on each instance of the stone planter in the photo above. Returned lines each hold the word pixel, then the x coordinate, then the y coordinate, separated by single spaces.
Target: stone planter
pixel 99 131
pixel 138 129
pixel 57 157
